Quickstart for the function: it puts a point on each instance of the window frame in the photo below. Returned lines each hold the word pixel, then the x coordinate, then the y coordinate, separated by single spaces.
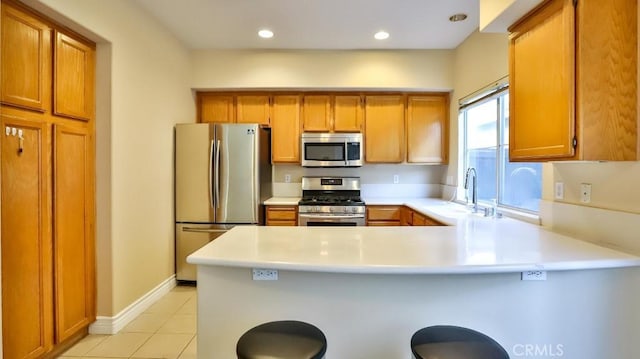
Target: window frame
pixel 496 91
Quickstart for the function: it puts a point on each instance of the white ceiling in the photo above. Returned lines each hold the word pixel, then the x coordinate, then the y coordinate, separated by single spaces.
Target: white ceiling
pixel 316 24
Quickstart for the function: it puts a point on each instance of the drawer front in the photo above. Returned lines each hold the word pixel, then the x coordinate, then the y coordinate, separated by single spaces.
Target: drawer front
pixel 282 223
pixel 383 213
pixel 383 223
pixel 282 213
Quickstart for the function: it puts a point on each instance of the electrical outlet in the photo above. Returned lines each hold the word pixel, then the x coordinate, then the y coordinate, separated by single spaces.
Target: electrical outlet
pixel 287 178
pixel 559 194
pixel 585 192
pixel 534 275
pixel 264 274
pixel 396 179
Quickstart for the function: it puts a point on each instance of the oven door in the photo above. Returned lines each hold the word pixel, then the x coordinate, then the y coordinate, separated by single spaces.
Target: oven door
pixel 334 220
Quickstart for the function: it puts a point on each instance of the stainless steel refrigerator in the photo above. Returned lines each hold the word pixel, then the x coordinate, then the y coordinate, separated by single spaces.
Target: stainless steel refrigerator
pixel 223 175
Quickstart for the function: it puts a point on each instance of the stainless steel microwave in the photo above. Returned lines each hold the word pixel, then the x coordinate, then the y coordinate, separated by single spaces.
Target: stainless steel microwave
pixel 332 150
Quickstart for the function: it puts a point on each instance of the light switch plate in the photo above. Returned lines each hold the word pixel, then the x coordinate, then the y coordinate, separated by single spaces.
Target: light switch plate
pixel 585 192
pixel 559 190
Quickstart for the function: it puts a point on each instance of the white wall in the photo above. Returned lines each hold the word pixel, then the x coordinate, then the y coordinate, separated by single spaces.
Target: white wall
pixel 412 70
pixel 480 60
pixel 376 179
pixel 143 76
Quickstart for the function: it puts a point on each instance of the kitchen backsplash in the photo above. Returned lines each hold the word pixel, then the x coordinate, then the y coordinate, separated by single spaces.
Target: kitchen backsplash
pixel 376 180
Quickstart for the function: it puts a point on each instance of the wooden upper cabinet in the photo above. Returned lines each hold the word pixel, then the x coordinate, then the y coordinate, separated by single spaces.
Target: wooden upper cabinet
pixel 571 83
pixel 285 129
pixel 26 59
pixel 27 315
pixel 74 267
pixel 347 113
pixel 216 108
pixel 252 109
pixel 74 78
pixel 384 129
pixel 316 112
pixel 426 129
pixel 607 86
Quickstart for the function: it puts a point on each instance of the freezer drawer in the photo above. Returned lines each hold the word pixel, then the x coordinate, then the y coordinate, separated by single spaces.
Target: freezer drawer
pixel 189 238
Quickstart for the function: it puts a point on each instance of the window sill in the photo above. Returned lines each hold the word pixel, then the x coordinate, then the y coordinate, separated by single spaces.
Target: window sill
pixel 508 212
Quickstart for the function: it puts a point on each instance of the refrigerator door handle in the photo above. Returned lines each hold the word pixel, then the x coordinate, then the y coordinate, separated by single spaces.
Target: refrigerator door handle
pixel 211 148
pixel 217 176
pixel 204 230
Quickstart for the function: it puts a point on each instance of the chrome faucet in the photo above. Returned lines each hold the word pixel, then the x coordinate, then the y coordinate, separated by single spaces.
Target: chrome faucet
pixel 471 172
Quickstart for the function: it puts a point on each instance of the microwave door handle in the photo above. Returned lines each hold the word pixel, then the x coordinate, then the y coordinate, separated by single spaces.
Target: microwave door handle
pixel 346 152
pixel 211 152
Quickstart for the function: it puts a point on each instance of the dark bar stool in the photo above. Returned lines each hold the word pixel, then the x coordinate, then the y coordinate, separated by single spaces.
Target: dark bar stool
pixel 287 339
pixel 450 342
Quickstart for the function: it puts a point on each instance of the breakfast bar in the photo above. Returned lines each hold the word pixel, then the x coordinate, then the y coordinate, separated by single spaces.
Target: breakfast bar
pixel 370 288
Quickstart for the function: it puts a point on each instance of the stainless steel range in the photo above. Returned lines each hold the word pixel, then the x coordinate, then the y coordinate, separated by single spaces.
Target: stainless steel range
pixel 331 201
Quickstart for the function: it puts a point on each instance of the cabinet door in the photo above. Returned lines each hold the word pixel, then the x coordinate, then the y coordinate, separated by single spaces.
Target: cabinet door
pixel 383 216
pixel 384 129
pixel 347 114
pixel 26 54
pixel 316 113
pixel 216 108
pixel 73 255
pixel 74 78
pixel 542 82
pixel 607 70
pixel 282 215
pixel 406 216
pixel 27 312
pixel 426 129
pixel 285 129
pixel 252 109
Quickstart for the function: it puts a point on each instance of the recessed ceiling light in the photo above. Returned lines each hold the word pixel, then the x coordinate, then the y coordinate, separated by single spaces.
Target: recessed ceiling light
pixel 457 17
pixel 381 35
pixel 265 34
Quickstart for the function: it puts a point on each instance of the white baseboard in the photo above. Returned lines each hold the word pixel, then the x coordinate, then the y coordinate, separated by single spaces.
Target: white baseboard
pixel 112 325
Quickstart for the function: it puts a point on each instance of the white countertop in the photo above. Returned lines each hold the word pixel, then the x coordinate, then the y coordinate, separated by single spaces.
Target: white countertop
pixel 282 201
pixel 472 244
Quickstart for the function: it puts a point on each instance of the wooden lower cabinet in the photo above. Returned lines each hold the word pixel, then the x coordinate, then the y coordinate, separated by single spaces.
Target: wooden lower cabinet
pixel 383 215
pixel 398 216
pixel 282 216
pixel 73 252
pixel 419 219
pixel 406 216
pixel 48 254
pixel 27 300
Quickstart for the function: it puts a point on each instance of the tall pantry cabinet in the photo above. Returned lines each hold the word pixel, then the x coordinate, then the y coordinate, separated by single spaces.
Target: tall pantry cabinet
pixel 47 184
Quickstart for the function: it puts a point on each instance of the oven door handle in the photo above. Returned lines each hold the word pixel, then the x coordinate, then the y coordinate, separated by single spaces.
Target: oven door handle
pixel 316 216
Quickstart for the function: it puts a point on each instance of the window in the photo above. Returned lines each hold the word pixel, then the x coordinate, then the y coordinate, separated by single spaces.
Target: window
pixel 484 145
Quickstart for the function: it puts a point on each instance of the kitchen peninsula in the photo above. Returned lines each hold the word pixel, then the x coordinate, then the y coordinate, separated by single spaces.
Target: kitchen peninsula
pixel 370 288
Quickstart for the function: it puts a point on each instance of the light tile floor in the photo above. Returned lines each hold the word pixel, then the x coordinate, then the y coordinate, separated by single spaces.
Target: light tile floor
pixel 164 331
